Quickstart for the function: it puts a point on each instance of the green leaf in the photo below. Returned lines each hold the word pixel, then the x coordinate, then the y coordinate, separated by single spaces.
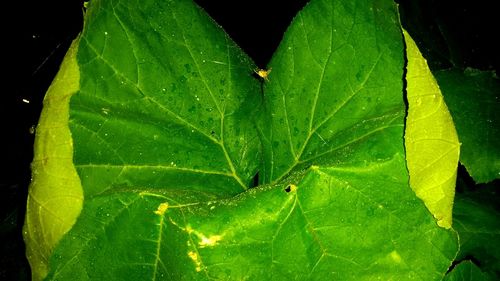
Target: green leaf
pixel 55 193
pixel 432 147
pixel 164 101
pixel 476 222
pixel 334 93
pixel 263 234
pixel 474 101
pixel 466 271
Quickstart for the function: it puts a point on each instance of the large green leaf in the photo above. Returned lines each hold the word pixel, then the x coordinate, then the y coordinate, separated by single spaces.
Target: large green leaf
pixel 166 149
pixel 334 95
pixel 473 97
pixel 263 234
pixel 164 101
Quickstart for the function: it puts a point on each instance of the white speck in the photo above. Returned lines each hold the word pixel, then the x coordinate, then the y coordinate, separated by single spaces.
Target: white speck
pixel 26 101
pixel 209 241
pixel 105 33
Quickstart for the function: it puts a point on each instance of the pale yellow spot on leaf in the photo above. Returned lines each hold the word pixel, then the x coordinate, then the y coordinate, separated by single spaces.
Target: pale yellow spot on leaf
pixel 209 241
pixel 395 256
pixel 263 73
pixel 195 258
pixel 162 209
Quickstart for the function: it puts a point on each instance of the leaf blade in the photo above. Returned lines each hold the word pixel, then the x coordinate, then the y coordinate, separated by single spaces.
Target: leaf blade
pixel 431 141
pixel 205 238
pixel 330 74
pixel 473 100
pixel 55 195
pixel 148 108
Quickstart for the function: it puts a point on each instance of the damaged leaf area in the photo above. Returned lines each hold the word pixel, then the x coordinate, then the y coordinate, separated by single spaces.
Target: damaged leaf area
pixel 173 127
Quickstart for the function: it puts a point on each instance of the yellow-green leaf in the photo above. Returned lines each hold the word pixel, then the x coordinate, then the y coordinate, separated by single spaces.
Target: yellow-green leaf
pixel 55 194
pixel 432 147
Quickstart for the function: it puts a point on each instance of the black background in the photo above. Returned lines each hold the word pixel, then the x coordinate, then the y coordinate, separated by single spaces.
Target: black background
pixel 38 33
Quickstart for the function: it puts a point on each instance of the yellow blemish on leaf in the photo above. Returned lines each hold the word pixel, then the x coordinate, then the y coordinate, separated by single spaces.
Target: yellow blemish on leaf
pixel 195 258
pixel 162 209
pixel 204 240
pixel 395 256
pixel 431 141
pixel 209 241
pixel 263 73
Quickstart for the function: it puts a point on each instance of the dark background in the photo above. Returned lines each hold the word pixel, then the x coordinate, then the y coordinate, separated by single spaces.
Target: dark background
pixel 38 33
